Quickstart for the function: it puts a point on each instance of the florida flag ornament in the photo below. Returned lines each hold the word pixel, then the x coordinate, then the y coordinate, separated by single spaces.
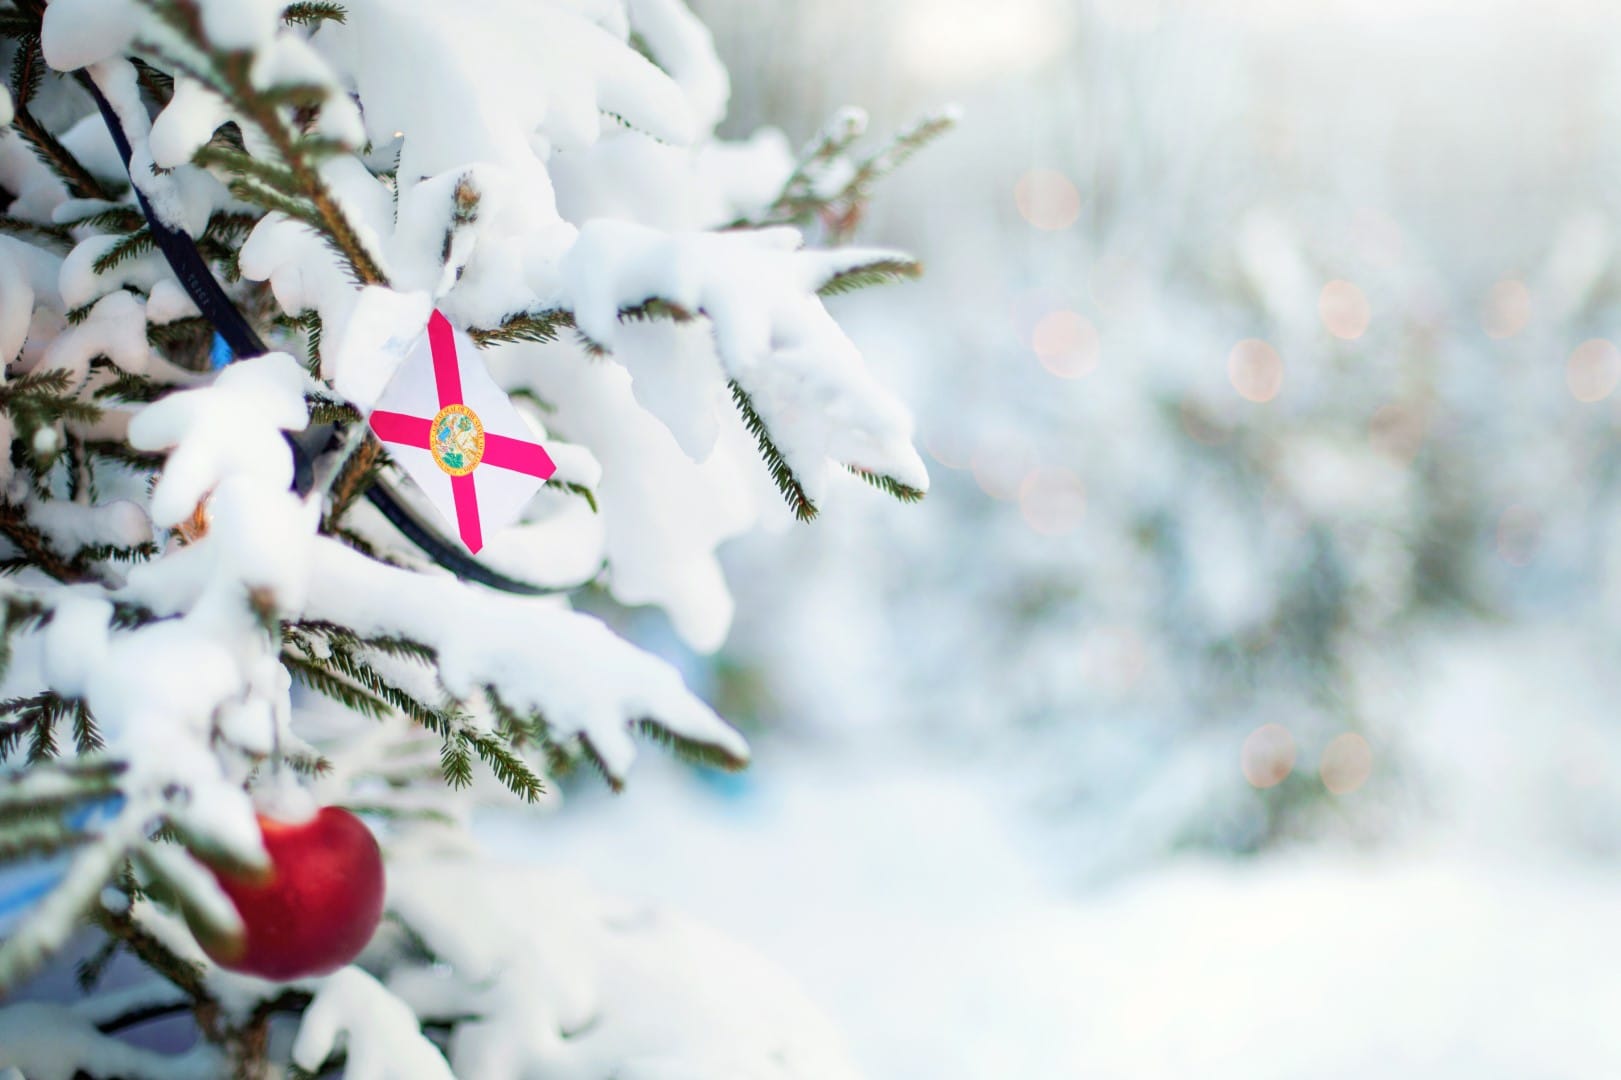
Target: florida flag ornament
pixel 454 432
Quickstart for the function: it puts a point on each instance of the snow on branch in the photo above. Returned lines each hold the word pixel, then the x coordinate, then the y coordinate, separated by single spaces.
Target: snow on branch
pixel 569 668
pixel 801 382
pixel 562 980
pixel 381 1035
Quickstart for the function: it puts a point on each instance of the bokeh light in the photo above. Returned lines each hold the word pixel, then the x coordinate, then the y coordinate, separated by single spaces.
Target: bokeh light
pixel 1346 764
pixel 1345 310
pixel 1067 344
pixel 1268 756
pixel 1047 199
pixel 1052 500
pixel 1113 658
pixel 1256 370
pixel 1001 463
pixel 1593 370
pixel 1507 309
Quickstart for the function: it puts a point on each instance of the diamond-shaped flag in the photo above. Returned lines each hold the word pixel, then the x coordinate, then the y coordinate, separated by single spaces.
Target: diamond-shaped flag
pixel 457 434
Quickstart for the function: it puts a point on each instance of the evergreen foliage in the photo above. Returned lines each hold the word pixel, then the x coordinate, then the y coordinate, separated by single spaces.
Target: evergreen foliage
pixel 73 481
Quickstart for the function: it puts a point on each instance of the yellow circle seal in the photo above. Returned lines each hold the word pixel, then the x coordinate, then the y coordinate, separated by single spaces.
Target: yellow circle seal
pixel 457 440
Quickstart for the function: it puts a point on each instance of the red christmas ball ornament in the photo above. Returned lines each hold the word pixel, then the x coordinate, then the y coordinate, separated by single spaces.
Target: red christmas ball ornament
pixel 314 910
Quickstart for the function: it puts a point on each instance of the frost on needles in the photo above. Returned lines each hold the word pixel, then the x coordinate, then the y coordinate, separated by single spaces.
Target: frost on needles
pixel 184 633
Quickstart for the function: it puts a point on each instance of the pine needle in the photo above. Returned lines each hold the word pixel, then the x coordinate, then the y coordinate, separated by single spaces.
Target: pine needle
pixel 787 483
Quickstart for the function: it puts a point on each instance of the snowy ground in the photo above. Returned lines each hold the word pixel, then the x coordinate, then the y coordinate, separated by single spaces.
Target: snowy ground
pixel 900 905
pixel 937 930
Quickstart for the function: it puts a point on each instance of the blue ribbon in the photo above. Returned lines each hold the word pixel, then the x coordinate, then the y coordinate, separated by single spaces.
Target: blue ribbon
pixel 219 353
pixel 232 331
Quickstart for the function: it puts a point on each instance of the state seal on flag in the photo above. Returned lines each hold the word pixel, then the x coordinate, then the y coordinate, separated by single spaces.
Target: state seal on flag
pixel 458 440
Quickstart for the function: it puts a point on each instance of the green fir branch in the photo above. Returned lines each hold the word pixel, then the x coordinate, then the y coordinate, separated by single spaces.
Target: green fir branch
pixel 343 675
pixel 58 789
pixel 309 766
pixel 278 178
pixel 538 327
pixel 653 309
pixel 27 73
pixel 456 763
pixel 803 198
pixel 176 338
pixel 358 474
pixel 344 660
pixel 781 472
pixel 315 148
pixel 690 750
pixel 518 730
pixel 186 975
pixel 324 410
pixel 507 765
pixel 41 398
pixel 251 190
pixel 37 838
pixel 313 14
pixel 230 226
pixel 27 67
pixel 879 272
pixel 86 736
pixel 123 454
pixel 315 676
pixel 35 717
pixel 889 485
pixel 898 152
pixel 130 616
pixel 312 329
pixel 110 219
pixel 527 394
pixel 400 648
pixel 34 232
pixel 831 143
pixel 132 246
pixel 230 72
pixel 122 553
pixel 582 491
pixel 294 96
pixel 159 85
pixel 593 757
pixel 32 545
pixel 41 742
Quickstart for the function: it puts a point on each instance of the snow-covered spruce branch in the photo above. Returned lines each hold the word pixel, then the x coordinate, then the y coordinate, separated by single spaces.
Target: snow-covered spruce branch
pixel 564 670
pixel 287 117
pixel 794 315
pixel 27 73
pixel 831 185
pixel 184 626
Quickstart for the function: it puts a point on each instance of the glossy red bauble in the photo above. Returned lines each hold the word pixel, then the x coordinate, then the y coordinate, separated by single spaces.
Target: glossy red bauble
pixel 316 908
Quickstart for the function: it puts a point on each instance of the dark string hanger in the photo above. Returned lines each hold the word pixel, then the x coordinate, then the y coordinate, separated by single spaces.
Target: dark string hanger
pixel 194 275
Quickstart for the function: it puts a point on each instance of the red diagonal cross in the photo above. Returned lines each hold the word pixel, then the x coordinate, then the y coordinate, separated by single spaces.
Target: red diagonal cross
pixel 499 450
